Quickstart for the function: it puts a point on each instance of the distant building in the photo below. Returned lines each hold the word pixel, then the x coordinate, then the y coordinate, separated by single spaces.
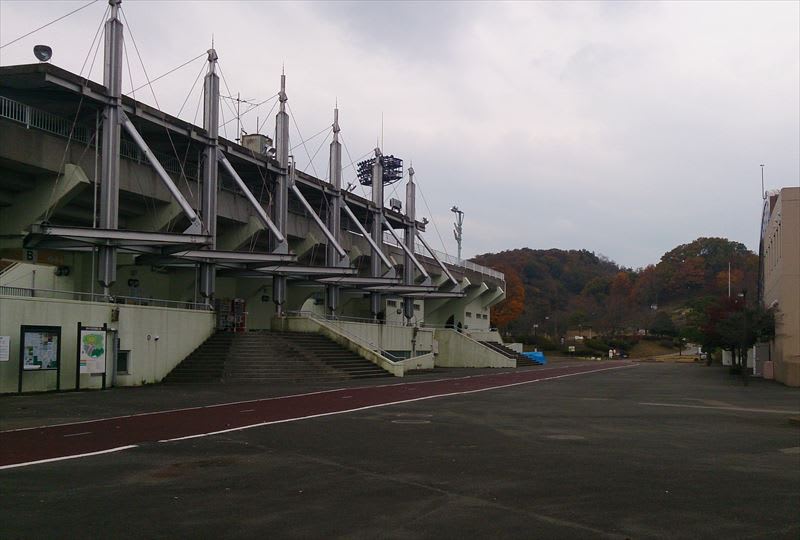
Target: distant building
pixel 780 279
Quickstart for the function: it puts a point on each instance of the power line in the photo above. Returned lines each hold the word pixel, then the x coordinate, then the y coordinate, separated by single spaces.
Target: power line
pixel 48 24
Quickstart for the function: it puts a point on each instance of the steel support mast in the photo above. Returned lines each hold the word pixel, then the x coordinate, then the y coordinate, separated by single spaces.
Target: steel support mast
pixel 210 170
pixel 281 208
pixel 109 172
pixel 334 213
pixel 409 238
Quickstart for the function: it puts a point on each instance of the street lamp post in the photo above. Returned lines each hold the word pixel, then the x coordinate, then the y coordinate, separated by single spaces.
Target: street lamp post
pixel 458 228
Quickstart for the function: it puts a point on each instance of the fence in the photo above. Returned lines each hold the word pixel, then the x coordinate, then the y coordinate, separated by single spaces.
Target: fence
pixel 56 125
pixel 95 297
pixel 420 249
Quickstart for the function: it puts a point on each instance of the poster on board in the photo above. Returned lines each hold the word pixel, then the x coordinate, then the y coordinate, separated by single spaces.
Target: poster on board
pixel 92 350
pixel 5 348
pixel 40 349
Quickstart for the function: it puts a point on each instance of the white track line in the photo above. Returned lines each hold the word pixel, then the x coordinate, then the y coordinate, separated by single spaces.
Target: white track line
pixel 735 409
pixel 62 458
pixel 317 392
pixel 298 418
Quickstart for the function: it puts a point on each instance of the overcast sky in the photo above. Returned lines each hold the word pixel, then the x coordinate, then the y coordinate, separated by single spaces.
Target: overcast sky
pixel 623 128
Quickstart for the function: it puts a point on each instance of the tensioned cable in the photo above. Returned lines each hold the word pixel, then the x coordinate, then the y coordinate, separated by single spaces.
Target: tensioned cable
pixel 148 207
pixel 294 121
pixel 432 219
pixel 130 75
pixel 152 91
pixel 257 105
pixel 320 146
pixel 191 90
pixel 61 167
pixel 269 114
pixel 171 71
pixel 48 24
pixel 352 164
pixel 326 128
pixel 100 28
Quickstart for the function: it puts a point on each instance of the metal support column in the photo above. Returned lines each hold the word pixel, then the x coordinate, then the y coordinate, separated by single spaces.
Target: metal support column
pixel 377 229
pixel 210 170
pixel 109 172
pixel 334 214
pixel 281 208
pixel 409 239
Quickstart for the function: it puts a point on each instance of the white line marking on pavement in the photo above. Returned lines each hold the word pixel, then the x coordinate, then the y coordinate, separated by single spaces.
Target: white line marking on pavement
pixel 734 409
pixel 298 418
pixel 62 458
pixel 78 434
pixel 248 410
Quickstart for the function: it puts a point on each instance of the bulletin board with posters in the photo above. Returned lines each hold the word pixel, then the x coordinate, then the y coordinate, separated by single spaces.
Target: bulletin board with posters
pixel 92 352
pixel 40 350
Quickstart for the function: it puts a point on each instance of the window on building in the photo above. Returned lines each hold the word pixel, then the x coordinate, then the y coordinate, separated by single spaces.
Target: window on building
pixel 123 362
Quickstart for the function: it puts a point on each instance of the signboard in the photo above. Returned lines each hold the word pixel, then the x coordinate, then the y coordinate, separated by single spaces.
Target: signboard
pixel 572 348
pixel 92 349
pixel 5 348
pixel 40 349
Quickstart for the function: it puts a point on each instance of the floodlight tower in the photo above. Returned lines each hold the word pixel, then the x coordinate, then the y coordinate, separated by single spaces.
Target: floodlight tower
pixel 210 169
pixel 458 228
pixel 281 208
pixel 378 172
pixel 377 228
pixel 109 171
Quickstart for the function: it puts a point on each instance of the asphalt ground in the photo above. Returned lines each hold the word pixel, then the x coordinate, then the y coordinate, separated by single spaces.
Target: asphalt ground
pixel 655 450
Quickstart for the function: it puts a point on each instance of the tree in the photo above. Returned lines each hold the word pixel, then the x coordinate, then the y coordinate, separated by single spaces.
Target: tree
pixel 729 324
pixel 663 325
pixel 512 305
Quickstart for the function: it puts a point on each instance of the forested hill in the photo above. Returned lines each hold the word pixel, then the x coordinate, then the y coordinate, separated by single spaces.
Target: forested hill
pixel 556 289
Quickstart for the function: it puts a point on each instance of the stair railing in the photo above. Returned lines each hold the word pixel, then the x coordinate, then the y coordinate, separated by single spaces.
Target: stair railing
pixel 330 324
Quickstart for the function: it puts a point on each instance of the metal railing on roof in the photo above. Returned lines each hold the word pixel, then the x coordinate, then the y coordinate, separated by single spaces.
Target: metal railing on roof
pixel 32 117
pixel 23 292
pixel 445 258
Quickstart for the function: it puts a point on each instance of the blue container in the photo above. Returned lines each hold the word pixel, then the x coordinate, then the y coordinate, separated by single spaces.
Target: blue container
pixel 537 357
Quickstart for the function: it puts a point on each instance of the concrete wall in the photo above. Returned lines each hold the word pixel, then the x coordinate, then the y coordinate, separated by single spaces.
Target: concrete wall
pixel 781 268
pixel 179 331
pixel 458 350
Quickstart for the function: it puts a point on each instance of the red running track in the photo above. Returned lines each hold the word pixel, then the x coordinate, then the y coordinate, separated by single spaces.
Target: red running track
pixel 65 441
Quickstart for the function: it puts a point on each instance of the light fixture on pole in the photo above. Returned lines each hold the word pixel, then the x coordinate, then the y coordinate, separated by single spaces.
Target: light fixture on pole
pixel 458 228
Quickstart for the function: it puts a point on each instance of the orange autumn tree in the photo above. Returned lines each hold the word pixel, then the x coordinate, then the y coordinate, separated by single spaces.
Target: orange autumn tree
pixel 511 307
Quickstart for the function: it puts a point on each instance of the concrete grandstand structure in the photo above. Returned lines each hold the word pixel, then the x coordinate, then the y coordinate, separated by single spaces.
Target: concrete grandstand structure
pixel 117 215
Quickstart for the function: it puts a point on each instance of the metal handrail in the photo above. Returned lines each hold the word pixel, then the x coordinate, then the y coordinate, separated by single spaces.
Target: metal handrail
pixel 24 292
pixel 32 117
pixel 350 335
pixel 389 239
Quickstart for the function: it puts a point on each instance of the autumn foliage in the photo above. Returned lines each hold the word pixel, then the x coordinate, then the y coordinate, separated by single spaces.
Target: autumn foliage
pixel 577 287
pixel 511 307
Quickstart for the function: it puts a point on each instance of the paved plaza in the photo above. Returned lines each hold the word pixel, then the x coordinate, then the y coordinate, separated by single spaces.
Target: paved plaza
pixel 568 450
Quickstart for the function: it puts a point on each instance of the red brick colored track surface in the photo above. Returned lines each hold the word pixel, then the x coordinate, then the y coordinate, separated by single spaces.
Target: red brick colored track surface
pixel 25 446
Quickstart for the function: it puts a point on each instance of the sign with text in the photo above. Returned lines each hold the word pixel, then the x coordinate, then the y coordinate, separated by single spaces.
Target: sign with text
pixel 92 349
pixel 40 349
pixel 5 348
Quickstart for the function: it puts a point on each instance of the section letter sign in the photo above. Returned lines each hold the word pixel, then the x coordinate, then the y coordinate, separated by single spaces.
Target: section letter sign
pixel 92 349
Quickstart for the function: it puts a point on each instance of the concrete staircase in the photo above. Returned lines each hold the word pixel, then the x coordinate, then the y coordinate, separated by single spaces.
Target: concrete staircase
pixel 265 356
pixel 521 359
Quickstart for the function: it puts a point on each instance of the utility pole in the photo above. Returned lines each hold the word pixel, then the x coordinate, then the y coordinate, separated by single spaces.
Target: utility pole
pixel 458 228
pixel 763 191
